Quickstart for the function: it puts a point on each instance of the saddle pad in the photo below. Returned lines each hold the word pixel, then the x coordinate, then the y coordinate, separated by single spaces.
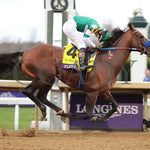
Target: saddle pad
pixel 71 58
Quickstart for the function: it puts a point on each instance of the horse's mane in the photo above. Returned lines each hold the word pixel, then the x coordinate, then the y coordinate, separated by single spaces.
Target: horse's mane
pixel 115 34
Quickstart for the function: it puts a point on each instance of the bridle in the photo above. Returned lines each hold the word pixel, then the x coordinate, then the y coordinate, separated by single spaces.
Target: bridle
pixel 140 47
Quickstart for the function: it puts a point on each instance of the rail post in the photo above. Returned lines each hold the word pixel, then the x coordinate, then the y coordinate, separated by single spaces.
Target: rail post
pixel 16 122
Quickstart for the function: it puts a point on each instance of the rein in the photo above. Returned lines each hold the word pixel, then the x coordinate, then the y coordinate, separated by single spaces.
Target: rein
pixel 120 48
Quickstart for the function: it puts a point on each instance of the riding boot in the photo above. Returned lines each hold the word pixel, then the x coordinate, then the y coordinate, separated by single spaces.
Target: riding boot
pixel 83 66
pixel 82 59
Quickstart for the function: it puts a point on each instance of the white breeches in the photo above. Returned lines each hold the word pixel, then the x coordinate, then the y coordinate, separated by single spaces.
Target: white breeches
pixel 70 29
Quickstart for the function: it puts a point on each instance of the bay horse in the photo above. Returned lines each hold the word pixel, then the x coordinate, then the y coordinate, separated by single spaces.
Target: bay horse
pixel 43 62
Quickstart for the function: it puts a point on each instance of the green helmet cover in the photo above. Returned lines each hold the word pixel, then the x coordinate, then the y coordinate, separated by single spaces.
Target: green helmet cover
pixel 106 36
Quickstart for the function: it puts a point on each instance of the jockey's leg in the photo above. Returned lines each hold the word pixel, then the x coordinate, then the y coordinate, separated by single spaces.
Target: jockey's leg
pixel 82 59
pixel 83 64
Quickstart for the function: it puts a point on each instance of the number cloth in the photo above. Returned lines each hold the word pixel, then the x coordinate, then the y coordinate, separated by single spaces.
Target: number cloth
pixel 71 59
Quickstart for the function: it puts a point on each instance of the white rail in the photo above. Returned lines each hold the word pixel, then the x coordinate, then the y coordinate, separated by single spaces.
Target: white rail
pixel 16 101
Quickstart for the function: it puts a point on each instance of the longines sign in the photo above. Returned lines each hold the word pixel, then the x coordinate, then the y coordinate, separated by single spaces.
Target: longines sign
pixel 129 114
pixel 100 110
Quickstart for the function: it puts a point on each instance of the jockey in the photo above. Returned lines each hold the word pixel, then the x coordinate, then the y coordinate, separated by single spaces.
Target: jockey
pixel 78 25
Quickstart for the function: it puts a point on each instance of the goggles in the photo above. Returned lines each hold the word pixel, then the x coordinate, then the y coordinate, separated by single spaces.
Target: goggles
pixel 94 30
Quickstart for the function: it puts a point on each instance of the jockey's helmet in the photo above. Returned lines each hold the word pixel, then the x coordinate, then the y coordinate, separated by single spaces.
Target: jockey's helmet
pixel 102 34
pixel 105 36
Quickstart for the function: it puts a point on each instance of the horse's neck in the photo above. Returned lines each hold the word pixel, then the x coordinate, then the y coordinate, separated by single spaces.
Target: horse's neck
pixel 117 58
pixel 122 55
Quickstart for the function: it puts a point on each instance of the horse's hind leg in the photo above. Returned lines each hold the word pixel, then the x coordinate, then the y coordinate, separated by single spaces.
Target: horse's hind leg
pixel 29 92
pixel 42 95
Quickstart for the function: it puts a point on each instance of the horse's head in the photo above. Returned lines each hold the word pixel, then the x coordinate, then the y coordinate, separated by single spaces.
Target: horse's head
pixel 141 42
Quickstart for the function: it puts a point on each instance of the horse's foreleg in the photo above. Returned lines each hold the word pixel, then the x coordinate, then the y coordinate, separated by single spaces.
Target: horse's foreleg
pixel 28 91
pixel 72 116
pixel 91 99
pixel 114 104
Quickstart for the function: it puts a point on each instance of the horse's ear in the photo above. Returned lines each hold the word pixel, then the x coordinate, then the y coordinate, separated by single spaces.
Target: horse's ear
pixel 131 26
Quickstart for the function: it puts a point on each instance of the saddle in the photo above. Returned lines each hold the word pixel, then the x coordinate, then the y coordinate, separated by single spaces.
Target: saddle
pixel 71 61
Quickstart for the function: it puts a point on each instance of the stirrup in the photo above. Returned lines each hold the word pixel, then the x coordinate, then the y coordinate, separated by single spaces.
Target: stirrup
pixel 90 66
pixel 85 67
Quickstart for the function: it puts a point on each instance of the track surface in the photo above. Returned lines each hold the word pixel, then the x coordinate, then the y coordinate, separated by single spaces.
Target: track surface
pixel 73 140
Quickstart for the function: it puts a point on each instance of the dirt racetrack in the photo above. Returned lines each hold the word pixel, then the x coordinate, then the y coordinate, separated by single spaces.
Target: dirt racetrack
pixel 74 140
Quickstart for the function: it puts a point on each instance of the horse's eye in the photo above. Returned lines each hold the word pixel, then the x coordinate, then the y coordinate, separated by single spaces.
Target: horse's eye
pixel 141 37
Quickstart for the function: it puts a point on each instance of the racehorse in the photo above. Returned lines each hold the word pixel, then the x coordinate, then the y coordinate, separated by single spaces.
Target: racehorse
pixel 43 62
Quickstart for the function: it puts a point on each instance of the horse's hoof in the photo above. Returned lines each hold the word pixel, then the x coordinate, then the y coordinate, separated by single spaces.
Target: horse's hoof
pixel 63 119
pixel 42 118
pixel 61 112
pixel 103 119
pixel 94 119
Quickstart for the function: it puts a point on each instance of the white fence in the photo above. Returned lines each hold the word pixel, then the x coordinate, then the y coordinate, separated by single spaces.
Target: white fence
pixel 9 85
pixel 15 101
pixel 53 121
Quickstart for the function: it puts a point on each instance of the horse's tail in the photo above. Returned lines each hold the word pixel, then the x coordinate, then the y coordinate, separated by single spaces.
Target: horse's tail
pixel 8 61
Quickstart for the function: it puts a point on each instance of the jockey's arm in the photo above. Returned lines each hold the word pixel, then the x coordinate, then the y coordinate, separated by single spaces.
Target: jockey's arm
pixel 87 40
